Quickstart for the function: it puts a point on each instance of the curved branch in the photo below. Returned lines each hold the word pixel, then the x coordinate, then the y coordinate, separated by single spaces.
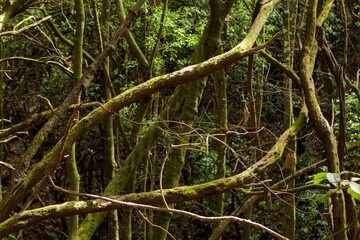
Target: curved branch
pixel 16 32
pixel 35 119
pixel 31 217
pixel 187 74
pixel 351 10
pixel 286 70
pixel 174 195
pixel 40 60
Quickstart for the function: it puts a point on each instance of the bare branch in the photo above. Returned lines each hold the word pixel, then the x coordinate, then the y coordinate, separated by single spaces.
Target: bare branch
pixel 16 32
pixel 153 225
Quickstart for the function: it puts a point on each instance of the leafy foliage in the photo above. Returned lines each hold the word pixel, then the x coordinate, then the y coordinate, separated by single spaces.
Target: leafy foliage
pixel 351 184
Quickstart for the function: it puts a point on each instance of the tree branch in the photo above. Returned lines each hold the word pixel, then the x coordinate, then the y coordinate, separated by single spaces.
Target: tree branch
pixel 16 32
pixel 174 195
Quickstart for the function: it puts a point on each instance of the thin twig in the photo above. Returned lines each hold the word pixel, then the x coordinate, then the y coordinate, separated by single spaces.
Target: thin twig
pixel 5 120
pixel 161 179
pixel 8 139
pixel 47 100
pixel 154 225
pixel 7 165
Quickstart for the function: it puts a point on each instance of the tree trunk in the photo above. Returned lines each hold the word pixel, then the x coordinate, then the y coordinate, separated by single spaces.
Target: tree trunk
pixel 129 166
pixel 210 45
pixel 2 122
pixel 255 153
pixel 71 166
pixel 220 85
pixel 108 130
pixel 289 19
pixel 322 127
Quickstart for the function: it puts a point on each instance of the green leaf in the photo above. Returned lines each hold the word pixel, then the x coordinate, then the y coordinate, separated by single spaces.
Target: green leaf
pixel 344 182
pixel 263 205
pixel 354 194
pixel 321 175
pixel 318 178
pixel 334 178
pixel 355 187
pixel 354 179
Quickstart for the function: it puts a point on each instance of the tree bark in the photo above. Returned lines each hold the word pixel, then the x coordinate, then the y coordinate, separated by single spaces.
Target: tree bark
pixel 71 166
pixel 289 19
pixel 322 127
pixel 2 122
pixel 210 45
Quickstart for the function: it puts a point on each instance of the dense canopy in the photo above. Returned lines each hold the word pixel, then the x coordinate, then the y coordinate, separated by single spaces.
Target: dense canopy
pixel 231 119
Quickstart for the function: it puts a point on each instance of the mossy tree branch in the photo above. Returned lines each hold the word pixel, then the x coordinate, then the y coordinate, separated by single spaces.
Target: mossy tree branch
pixel 16 32
pixel 45 60
pixel 174 195
pixel 322 126
pixel 16 194
pixel 187 74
